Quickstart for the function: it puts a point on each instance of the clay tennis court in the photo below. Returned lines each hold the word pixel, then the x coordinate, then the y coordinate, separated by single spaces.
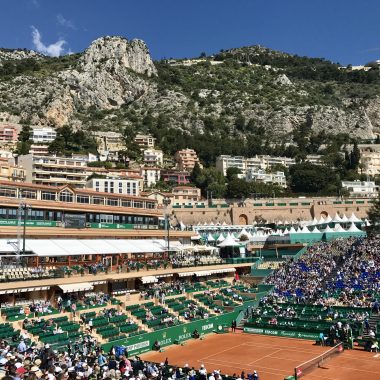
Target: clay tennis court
pixel 272 357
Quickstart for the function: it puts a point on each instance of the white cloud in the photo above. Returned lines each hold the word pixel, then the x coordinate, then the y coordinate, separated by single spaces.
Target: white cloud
pixel 64 22
pixel 54 50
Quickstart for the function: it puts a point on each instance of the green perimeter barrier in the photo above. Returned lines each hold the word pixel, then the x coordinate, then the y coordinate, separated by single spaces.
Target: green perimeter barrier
pixel 282 333
pixel 144 342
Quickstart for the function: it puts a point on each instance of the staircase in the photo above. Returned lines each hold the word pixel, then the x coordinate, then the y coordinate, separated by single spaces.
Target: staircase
pixel 373 320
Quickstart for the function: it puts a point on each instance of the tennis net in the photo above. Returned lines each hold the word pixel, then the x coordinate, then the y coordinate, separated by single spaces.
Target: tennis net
pixel 303 368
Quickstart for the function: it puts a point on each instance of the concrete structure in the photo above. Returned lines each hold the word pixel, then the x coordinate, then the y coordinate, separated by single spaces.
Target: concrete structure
pixel 369 159
pixel 11 172
pixel 258 162
pixel 176 176
pixel 8 134
pixel 43 135
pixel 54 171
pixel 259 175
pixel 158 196
pixel 186 159
pixel 271 210
pixel 145 141
pixel 151 175
pixel 186 194
pixel 115 185
pixel 361 188
pixel 109 144
pixel 153 157
pixel 52 205
pixel 39 150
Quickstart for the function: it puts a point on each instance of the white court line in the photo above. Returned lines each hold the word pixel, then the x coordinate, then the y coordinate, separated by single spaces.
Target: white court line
pixel 219 352
pixel 266 356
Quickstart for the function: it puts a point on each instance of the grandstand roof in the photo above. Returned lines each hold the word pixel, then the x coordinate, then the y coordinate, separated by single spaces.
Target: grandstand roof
pixel 72 247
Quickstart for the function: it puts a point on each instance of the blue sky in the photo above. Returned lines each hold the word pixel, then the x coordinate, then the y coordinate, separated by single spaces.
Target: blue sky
pixel 344 31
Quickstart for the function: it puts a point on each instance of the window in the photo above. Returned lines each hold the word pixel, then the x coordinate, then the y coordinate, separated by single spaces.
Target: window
pixel 126 203
pixel 48 196
pixel 30 194
pixel 138 204
pixel 83 199
pixel 66 196
pixel 149 205
pixel 5 192
pixel 3 213
pixel 112 202
pixel 106 218
pixel 98 200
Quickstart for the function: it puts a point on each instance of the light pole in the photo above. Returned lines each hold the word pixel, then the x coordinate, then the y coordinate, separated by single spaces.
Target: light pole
pixel 24 207
pixel 166 201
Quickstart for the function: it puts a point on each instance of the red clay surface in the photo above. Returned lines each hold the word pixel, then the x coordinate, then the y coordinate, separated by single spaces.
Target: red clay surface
pixel 272 357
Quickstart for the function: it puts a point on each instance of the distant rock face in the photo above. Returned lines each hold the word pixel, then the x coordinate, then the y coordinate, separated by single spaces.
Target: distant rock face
pixel 18 54
pixel 118 53
pixel 105 78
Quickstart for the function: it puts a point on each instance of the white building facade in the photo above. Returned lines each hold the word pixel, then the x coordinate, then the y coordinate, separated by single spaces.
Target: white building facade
pixel 124 186
pixel 43 135
pixel 259 175
pixel 361 188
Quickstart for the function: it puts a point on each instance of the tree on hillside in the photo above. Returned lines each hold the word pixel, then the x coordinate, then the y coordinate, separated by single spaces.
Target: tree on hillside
pixel 374 215
pixel 308 178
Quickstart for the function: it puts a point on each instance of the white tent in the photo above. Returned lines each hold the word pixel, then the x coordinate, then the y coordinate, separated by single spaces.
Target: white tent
pixel 229 241
pixel 344 218
pixel 337 218
pixel 211 223
pixel 305 230
pixel 328 229
pixel 315 230
pixel 353 228
pixel 314 222
pixel 354 219
pixel 196 237
pixel 292 230
pixel 220 238
pixel 328 219
pixel 210 238
pixel 321 220
pixel 243 232
pixel 286 231
pixel 339 228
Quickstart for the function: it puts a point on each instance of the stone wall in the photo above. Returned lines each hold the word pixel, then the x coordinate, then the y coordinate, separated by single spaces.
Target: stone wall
pixel 290 209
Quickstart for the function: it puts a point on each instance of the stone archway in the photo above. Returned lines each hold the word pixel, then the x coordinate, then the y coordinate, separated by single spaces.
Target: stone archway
pixel 243 219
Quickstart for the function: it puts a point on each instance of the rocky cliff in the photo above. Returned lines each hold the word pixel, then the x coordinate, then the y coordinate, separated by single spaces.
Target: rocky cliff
pixel 115 82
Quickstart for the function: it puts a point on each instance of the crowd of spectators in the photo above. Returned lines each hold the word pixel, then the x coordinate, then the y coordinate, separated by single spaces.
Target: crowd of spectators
pixel 305 280
pixel 85 360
